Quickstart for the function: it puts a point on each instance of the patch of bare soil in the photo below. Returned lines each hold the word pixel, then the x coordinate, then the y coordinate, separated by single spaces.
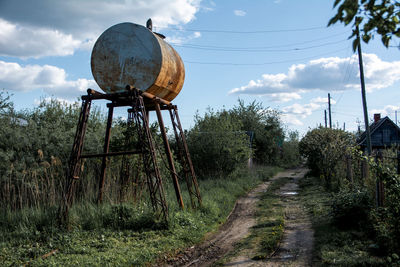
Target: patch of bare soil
pixel 236 227
pixel 296 246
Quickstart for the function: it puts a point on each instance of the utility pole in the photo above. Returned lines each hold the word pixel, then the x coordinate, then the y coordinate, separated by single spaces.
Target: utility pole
pixel 330 113
pixel 326 121
pixel 364 99
pixel 344 126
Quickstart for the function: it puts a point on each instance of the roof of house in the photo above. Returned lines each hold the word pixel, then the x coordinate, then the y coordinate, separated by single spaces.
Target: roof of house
pixel 373 127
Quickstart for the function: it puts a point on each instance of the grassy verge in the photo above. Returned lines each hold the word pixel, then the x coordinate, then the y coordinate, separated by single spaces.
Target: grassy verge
pixel 333 245
pixel 120 235
pixel 268 231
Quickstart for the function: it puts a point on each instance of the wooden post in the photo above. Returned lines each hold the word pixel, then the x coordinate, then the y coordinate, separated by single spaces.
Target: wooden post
pixel 364 98
pixel 330 113
pixel 379 184
pixel 398 162
pixel 349 171
pixel 364 169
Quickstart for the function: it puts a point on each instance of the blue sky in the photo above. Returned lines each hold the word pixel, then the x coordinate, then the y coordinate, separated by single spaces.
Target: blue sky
pixel 278 52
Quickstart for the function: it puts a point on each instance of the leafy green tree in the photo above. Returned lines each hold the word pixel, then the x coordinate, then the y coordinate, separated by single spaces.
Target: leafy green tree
pixel 373 16
pixel 324 148
pixel 217 143
pixel 290 150
pixel 266 126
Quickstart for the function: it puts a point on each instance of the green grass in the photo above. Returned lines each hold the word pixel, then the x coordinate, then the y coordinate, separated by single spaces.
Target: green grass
pixel 267 233
pixel 334 246
pixel 120 235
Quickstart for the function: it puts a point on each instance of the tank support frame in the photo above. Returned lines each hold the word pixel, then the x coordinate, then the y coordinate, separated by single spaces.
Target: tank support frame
pixel 140 103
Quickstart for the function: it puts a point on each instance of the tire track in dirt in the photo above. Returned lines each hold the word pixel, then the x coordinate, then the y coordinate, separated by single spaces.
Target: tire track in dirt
pixel 236 228
pixel 296 246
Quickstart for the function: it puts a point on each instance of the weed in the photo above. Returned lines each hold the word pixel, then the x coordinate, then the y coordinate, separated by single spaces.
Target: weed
pixel 333 245
pixel 266 234
pixel 120 235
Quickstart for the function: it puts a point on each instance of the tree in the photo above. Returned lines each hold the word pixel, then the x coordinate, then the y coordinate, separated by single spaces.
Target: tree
pixel 324 148
pixel 217 144
pixel 372 16
pixel 290 150
pixel 266 126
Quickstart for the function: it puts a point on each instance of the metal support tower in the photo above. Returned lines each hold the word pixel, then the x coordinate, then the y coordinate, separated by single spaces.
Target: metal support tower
pixel 74 164
pixel 140 104
pixel 184 157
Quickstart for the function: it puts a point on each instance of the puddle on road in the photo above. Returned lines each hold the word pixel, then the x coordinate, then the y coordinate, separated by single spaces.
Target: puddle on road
pixel 290 193
pixel 287 257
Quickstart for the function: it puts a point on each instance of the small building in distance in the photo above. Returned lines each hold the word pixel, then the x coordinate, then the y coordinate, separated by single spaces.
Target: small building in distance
pixel 384 133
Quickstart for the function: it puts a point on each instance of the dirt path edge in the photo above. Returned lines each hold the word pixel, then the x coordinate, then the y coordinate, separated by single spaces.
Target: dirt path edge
pixel 236 227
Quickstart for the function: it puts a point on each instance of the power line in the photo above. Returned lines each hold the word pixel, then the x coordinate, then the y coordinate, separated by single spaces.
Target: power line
pixel 242 32
pixel 261 64
pixel 260 50
pixel 264 47
pixel 345 114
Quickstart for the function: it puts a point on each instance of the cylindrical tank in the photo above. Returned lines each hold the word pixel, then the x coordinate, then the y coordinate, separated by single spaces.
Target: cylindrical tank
pixel 130 54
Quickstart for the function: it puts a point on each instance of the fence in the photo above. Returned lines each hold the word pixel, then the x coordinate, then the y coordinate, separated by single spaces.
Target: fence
pixel 358 170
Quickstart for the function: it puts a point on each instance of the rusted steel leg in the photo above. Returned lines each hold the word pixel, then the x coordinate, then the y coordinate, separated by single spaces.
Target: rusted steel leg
pixel 74 164
pixel 169 157
pixel 185 159
pixel 154 181
pixel 105 150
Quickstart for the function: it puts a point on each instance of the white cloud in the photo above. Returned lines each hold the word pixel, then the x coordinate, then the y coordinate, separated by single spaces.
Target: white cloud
pixel 322 100
pixel 50 79
pixel 239 13
pixel 59 27
pixel 27 42
pixel 388 110
pixel 303 110
pixel 325 74
pixel 182 39
pixel 269 84
pixel 291 119
pixel 210 6
pixel 296 113
pixel 284 97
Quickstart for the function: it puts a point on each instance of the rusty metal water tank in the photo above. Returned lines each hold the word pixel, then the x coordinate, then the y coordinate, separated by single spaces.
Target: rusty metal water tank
pixel 130 54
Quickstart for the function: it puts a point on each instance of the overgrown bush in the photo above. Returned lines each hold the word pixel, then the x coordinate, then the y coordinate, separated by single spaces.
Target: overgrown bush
pixel 266 127
pixel 217 144
pixel 386 219
pixel 324 148
pixel 222 140
pixel 351 209
pixel 290 150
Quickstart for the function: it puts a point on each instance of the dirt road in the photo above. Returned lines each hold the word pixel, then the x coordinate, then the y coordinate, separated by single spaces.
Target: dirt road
pixel 239 224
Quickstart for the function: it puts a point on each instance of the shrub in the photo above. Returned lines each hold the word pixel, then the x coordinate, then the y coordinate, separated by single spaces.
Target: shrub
pixel 386 219
pixel 266 128
pixel 324 148
pixel 217 144
pixel 351 209
pixel 127 217
pixel 290 150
